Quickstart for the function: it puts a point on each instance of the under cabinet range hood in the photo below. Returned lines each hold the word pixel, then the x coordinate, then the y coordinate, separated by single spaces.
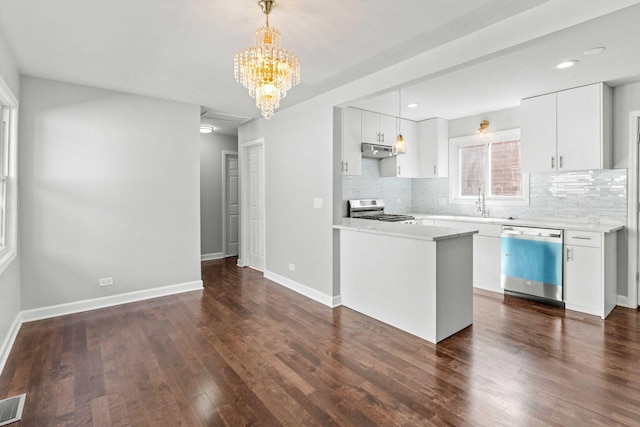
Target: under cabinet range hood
pixel 377 151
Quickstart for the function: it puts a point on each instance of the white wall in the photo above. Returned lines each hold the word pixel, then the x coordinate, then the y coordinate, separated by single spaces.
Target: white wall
pixel 626 99
pixel 10 278
pixel 8 69
pixel 498 120
pixel 109 187
pixel 211 147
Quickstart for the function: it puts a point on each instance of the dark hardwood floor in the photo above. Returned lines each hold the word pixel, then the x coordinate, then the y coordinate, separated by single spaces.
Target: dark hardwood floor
pixel 246 351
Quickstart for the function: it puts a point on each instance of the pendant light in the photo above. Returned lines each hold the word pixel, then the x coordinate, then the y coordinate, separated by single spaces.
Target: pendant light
pixel 400 146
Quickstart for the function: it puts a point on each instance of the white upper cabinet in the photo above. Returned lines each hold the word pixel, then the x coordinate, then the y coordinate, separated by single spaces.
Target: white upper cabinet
pixel 433 148
pixel 403 165
pixel 567 130
pixel 351 145
pixel 538 148
pixel 388 130
pixel 584 128
pixel 378 128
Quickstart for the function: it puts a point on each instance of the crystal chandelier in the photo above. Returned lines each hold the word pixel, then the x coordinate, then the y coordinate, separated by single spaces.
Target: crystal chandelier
pixel 267 70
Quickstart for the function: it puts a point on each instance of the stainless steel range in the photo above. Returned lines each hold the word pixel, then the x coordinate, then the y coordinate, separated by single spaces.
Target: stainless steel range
pixel 374 209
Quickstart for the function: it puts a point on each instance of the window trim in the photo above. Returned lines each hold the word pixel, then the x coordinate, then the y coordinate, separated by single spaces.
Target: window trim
pixel 454 169
pixel 9 252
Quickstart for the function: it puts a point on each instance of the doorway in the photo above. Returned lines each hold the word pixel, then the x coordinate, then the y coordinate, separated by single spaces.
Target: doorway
pixel 633 212
pixel 252 199
pixel 230 204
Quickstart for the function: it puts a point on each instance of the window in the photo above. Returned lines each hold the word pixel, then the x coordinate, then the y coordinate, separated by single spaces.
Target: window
pixel 491 161
pixel 8 186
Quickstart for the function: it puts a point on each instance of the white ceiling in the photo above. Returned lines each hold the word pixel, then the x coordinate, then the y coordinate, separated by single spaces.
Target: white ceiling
pixel 500 82
pixel 183 50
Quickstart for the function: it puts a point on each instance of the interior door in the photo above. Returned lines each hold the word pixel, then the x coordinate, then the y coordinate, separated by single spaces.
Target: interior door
pixel 256 207
pixel 232 206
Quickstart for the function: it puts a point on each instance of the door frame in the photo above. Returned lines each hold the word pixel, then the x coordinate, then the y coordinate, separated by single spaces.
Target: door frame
pixel 226 153
pixel 243 159
pixel 633 291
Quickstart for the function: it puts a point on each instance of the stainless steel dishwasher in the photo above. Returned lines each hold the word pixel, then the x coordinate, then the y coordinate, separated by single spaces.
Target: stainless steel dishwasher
pixel 531 263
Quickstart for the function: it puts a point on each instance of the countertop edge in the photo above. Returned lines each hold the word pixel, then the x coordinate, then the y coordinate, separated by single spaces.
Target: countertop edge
pixel 446 232
pixel 599 228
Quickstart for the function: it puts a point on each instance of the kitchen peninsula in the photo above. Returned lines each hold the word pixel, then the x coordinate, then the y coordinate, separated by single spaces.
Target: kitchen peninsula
pixel 414 277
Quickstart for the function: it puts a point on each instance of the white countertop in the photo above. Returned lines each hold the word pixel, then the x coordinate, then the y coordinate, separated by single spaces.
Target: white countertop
pixel 408 231
pixel 551 223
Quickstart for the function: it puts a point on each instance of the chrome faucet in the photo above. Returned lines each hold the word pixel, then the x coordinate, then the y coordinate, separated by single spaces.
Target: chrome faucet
pixel 481 203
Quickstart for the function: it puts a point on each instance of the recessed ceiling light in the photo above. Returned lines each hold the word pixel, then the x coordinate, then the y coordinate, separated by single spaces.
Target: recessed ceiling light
pixel 566 64
pixel 206 128
pixel 412 105
pixel 595 50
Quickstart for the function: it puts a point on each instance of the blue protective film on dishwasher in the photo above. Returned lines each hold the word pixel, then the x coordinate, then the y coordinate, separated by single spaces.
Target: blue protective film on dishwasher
pixel 532 260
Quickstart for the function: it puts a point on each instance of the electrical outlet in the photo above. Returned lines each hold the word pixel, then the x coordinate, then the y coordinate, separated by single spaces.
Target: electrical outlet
pixel 107 281
pixel 317 203
pixel 292 266
pixel 442 201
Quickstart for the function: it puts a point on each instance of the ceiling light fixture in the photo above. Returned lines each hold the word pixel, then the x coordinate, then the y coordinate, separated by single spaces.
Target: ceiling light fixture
pixel 400 146
pixel 267 70
pixel 412 105
pixel 595 50
pixel 566 64
pixel 206 128
pixel 484 125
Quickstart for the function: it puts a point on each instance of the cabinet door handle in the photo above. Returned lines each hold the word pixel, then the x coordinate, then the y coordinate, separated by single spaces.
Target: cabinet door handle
pixel 561 162
pixel 568 254
pixel 553 162
pixel 435 170
pixel 398 170
pixel 346 166
pixel 382 137
pixel 342 166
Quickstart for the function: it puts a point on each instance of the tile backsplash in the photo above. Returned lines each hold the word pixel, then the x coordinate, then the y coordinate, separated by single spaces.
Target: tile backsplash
pixel 370 185
pixel 589 196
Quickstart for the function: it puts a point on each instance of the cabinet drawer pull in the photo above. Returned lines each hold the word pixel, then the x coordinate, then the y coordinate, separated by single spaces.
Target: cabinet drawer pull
pixel 581 238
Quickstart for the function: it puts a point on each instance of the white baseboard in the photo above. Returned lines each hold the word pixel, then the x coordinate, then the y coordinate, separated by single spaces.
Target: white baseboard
pixel 209 257
pixel 623 301
pixel 337 301
pixel 308 292
pixel 495 289
pixel 96 303
pixel 9 340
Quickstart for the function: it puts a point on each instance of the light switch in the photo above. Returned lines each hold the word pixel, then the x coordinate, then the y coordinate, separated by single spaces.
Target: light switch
pixel 317 203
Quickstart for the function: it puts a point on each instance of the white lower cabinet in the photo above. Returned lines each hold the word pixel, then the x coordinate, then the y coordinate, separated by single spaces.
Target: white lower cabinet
pixel 590 284
pixel 486 263
pixel 486 252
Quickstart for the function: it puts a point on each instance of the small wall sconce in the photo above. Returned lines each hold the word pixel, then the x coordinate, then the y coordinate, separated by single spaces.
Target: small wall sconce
pixel 483 127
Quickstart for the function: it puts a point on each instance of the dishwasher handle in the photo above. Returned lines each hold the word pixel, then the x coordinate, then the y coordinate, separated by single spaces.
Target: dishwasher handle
pixel 524 232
